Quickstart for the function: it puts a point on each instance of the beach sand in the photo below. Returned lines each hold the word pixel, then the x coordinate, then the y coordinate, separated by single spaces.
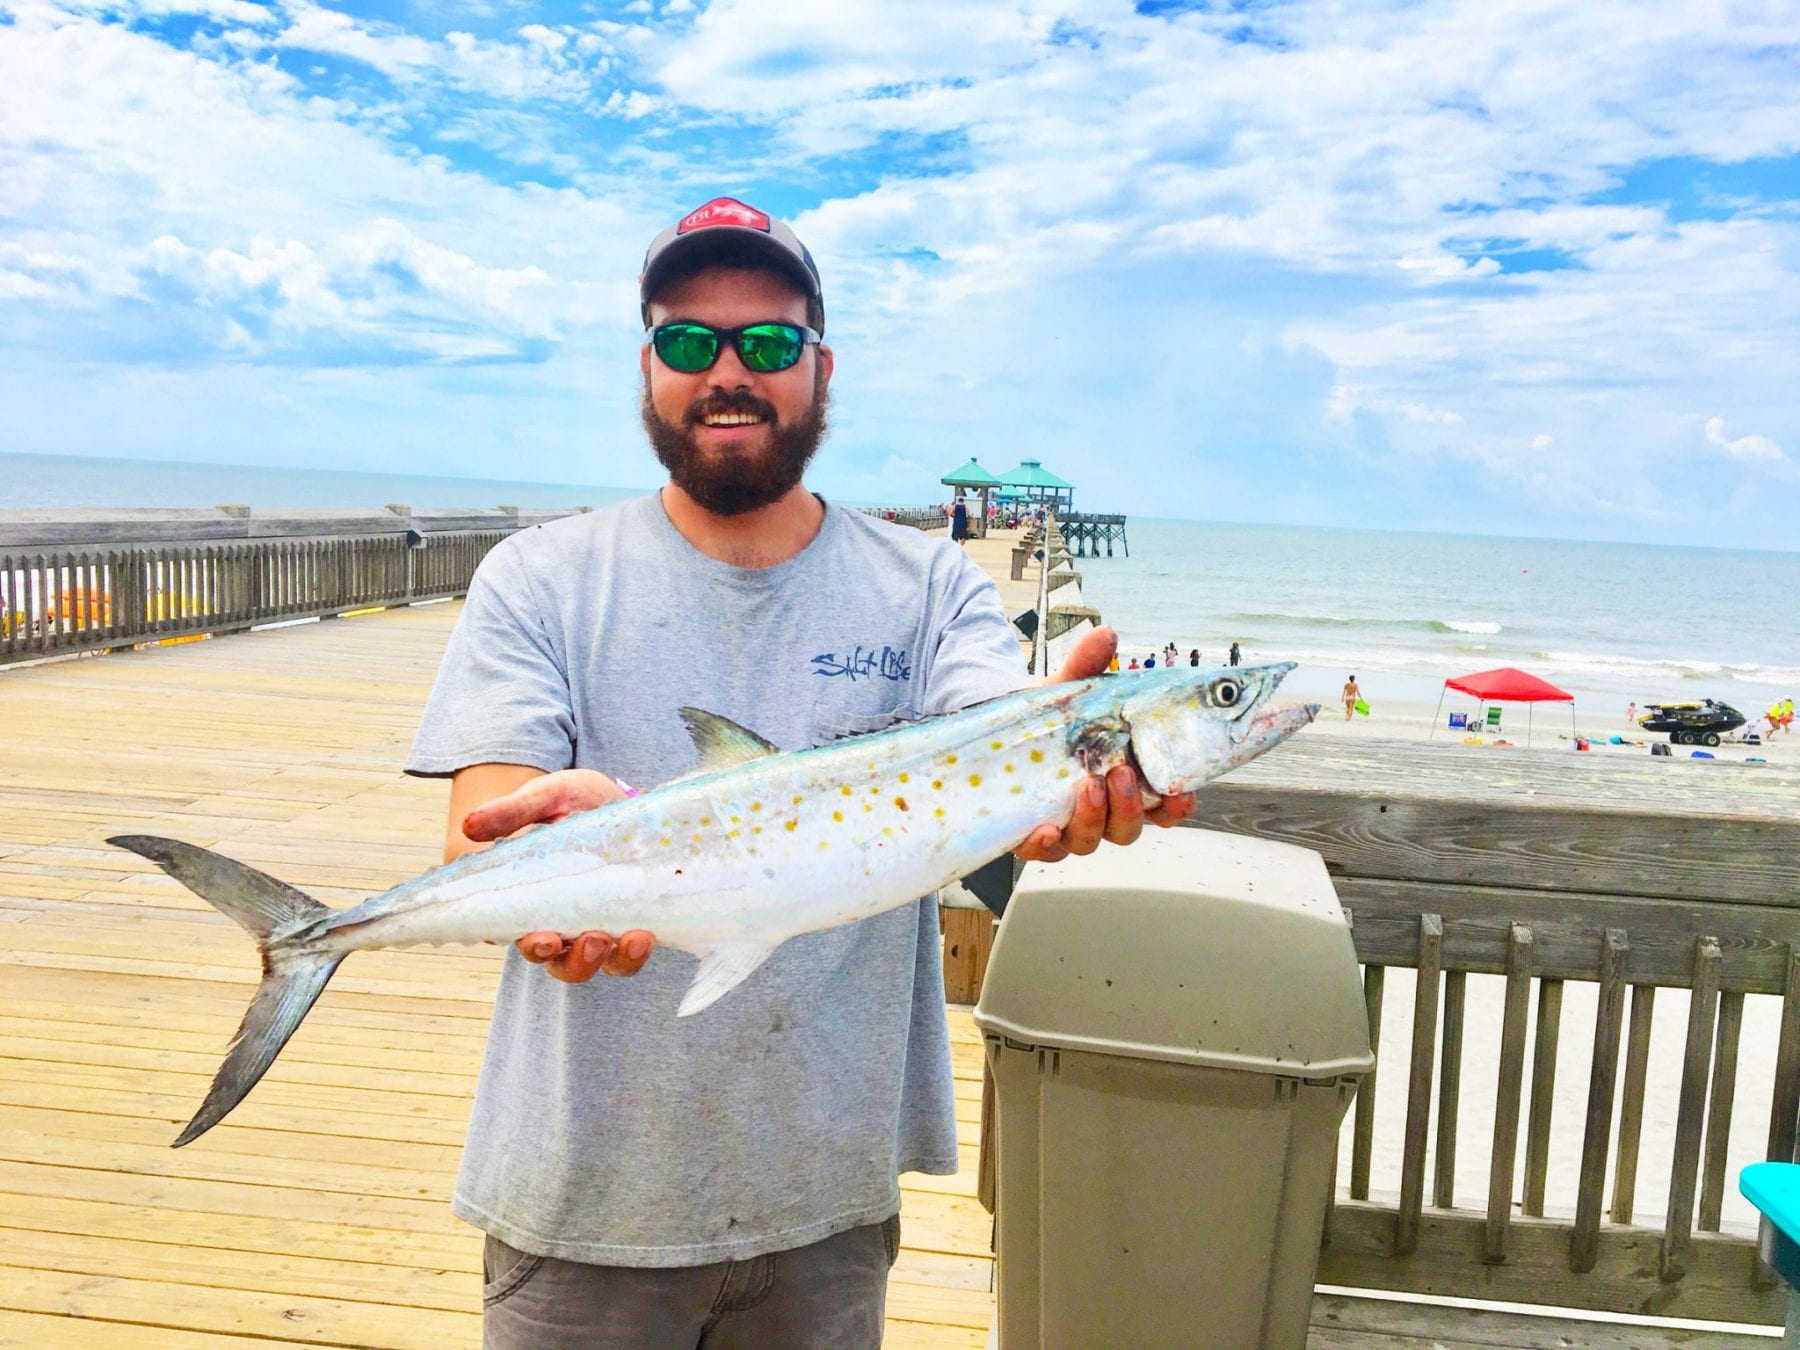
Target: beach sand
pixel 1550 731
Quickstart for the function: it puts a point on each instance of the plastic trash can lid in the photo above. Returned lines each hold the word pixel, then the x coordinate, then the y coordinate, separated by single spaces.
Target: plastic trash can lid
pixel 1190 946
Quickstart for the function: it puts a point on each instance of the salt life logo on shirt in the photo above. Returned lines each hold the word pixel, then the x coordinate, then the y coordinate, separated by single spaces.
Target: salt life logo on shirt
pixel 865 663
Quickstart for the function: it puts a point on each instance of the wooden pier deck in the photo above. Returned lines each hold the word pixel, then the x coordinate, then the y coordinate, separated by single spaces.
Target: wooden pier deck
pixel 318 1214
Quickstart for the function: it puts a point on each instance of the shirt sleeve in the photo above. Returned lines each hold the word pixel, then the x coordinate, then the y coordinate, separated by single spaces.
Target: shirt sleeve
pixel 977 655
pixel 502 691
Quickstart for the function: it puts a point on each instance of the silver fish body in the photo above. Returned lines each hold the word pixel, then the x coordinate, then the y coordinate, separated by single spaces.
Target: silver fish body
pixel 756 847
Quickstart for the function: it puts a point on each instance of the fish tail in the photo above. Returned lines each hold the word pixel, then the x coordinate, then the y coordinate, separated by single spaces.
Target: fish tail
pixel 293 974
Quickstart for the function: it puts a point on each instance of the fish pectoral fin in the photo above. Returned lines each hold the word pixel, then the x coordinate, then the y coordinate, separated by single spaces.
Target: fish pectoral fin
pixel 722 969
pixel 721 742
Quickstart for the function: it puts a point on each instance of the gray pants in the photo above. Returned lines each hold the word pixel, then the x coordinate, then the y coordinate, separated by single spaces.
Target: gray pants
pixel 830 1293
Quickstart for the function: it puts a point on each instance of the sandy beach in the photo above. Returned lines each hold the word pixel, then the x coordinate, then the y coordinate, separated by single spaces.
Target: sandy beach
pixel 1550 732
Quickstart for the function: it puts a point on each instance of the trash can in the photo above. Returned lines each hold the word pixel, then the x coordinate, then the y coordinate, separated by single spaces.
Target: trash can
pixel 1174 1030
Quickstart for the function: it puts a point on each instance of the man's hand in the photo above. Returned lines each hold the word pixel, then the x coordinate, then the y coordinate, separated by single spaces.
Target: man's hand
pixel 1115 807
pixel 537 800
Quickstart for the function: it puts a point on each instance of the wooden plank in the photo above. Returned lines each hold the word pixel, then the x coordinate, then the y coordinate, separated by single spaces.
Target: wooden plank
pixel 1603 1069
pixel 1631 1108
pixel 1566 927
pixel 1506 1096
pixel 1348 1320
pixel 1543 1094
pixel 1363 1135
pixel 1784 1104
pixel 1449 1089
pixel 1536 1270
pixel 1678 1237
pixel 1718 1110
pixel 1373 814
pixel 1418 1087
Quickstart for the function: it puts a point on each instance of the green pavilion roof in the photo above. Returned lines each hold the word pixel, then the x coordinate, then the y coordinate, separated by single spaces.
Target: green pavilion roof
pixel 970 475
pixel 1032 474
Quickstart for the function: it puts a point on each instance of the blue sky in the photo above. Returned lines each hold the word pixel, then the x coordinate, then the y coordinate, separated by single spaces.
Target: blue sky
pixel 1528 268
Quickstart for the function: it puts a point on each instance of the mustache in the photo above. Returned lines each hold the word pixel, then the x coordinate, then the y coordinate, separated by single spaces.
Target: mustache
pixel 729 401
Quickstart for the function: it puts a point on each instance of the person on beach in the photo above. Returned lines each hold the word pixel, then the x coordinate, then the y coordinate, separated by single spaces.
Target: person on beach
pixel 1194 657
pixel 1351 694
pixel 1631 713
pixel 1134 664
pixel 1169 655
pixel 1150 661
pixel 730 1178
pixel 959 521
pixel 1232 660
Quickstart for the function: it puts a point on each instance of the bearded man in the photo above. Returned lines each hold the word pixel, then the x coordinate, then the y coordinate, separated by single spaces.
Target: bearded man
pixel 728 1179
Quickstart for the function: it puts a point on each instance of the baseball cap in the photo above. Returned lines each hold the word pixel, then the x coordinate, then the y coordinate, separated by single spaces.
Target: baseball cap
pixel 726 228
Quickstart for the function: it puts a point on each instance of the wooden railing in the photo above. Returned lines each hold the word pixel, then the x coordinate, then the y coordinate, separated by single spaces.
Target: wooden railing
pixel 1605 873
pixel 89 583
pixel 919 517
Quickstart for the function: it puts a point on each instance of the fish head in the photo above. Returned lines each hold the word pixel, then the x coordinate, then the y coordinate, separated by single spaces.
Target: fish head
pixel 1194 725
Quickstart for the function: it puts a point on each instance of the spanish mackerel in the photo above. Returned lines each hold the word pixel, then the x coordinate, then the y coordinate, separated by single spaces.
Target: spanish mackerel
pixel 755 846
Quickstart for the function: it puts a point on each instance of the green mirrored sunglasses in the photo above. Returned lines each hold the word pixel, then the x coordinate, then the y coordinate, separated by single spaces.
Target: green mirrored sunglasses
pixel 762 347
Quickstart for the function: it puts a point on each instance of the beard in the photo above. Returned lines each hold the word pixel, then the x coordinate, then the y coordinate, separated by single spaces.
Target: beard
pixel 734 484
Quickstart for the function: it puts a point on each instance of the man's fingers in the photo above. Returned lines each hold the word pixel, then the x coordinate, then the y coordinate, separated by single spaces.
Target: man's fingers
pixel 577 960
pixel 583 958
pixel 629 953
pixel 538 948
pixel 1087 825
pixel 1092 653
pixel 1172 810
pixel 1124 820
pixel 541 799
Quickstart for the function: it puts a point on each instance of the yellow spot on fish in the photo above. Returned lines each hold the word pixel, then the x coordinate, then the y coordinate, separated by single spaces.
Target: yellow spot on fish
pixel 949 759
pixel 1007 767
pixel 733 834
pixel 1037 756
pixel 791 824
pixel 876 791
pixel 939 813
pixel 937 782
pixel 887 830
pixel 756 806
pixel 1063 772
pixel 798 798
pixel 823 845
pixel 906 778
pixel 846 789
pixel 736 821
pixel 867 808
pixel 974 780
pixel 900 802
pixel 837 815
pixel 705 820
pixel 665 841
pixel 998 745
pixel 756 829
pixel 1017 788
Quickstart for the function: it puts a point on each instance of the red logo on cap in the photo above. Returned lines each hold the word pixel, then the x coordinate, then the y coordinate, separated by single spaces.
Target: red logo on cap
pixel 724 211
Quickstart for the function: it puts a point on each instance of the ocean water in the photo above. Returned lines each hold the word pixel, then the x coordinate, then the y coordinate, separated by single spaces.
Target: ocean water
pixel 1610 623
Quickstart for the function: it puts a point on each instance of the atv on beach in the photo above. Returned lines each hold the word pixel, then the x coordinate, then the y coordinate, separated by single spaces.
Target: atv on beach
pixel 1699 723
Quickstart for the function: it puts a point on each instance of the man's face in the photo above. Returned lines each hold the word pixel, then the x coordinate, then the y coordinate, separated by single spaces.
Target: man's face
pixel 697 422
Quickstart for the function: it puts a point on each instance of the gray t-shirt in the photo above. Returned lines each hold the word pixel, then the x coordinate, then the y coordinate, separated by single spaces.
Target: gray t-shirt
pixel 606 1129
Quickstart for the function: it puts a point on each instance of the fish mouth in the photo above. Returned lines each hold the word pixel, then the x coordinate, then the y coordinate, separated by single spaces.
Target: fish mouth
pixel 1263 727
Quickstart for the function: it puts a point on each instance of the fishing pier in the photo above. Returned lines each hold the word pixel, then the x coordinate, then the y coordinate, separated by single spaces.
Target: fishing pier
pixel 1583 973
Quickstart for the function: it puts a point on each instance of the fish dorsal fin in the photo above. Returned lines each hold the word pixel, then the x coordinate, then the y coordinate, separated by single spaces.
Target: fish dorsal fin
pixel 722 969
pixel 721 742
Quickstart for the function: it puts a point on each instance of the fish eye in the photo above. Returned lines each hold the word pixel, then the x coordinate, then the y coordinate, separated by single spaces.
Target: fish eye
pixel 1226 692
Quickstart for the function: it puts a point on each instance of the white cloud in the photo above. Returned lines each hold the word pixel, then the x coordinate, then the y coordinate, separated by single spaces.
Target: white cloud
pixel 1743 447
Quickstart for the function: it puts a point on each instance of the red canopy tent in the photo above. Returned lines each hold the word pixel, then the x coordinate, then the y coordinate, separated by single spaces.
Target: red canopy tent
pixel 1507 684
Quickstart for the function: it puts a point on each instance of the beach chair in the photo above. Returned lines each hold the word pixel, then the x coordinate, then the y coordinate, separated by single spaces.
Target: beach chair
pixel 1459 721
pixel 1493 720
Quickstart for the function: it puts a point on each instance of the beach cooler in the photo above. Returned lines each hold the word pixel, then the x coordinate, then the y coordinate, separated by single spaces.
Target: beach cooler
pixel 1175 1030
pixel 1774 1188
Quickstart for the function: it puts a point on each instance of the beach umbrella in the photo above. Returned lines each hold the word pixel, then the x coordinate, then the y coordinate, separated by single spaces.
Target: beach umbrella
pixel 1507 684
